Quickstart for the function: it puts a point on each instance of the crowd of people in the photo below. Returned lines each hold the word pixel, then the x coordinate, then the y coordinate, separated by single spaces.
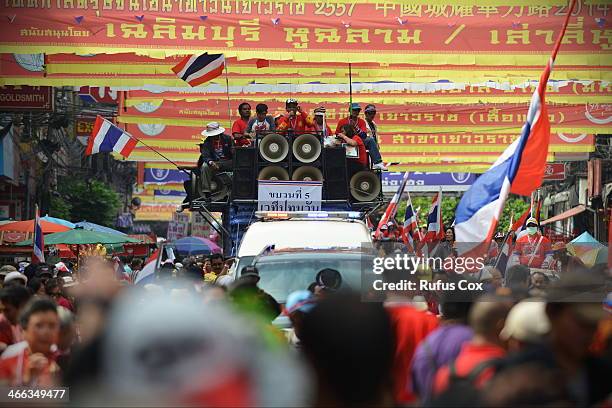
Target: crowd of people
pixel 197 335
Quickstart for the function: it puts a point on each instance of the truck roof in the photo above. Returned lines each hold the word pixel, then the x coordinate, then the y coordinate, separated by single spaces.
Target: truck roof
pixel 303 233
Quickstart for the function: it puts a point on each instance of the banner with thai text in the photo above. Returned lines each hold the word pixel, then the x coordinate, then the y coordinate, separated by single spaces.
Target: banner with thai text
pixel 289 195
pixel 425 33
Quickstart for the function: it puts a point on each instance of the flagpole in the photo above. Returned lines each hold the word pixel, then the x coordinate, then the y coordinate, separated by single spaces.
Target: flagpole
pixel 229 107
pixel 350 87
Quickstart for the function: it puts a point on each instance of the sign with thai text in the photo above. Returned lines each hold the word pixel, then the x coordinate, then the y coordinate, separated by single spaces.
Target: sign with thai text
pixel 289 195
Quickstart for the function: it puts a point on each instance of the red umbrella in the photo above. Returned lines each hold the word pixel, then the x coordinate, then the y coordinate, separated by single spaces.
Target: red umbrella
pixel 28 226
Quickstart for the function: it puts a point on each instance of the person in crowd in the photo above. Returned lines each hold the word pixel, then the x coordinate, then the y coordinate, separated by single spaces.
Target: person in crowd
pixel 32 361
pixel 239 127
pixel 446 248
pixel 215 155
pixel 296 120
pixel 353 164
pixel 53 289
pixel 12 301
pixel 533 249
pixel 563 261
pixel 371 127
pixel 136 266
pixel 360 129
pixel 526 325
pixel 44 273
pixel 251 299
pixel 217 268
pixel 327 281
pixel 518 279
pixel 5 270
pixel 66 338
pixel 410 327
pixel 15 278
pixel 262 123
pixel 475 362
pixel 443 344
pixel 574 310
pixel 492 278
pixel 539 281
pixel 495 247
pixel 297 306
pixel 320 124
pixel 349 345
pixel 36 287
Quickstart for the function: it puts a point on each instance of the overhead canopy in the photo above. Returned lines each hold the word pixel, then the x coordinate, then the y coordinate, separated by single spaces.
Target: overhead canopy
pixel 564 215
pixel 28 226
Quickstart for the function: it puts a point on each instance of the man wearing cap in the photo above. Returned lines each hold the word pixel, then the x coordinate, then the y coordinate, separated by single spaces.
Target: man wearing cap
pixel 298 304
pixel 533 249
pixel 215 155
pixel 361 130
pixel 295 120
pixel 370 114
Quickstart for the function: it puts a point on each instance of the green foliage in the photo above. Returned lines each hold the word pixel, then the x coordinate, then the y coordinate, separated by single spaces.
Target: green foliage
pixel 59 208
pixel 92 201
pixel 515 206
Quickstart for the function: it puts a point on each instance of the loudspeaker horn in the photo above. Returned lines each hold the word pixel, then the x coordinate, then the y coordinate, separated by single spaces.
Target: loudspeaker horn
pixel 273 173
pixel 365 186
pixel 306 148
pixel 273 148
pixel 307 173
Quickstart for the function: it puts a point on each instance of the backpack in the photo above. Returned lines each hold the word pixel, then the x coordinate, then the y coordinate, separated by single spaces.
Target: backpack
pixel 469 380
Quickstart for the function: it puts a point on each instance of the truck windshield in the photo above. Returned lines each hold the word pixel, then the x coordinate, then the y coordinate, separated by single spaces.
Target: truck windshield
pixel 283 274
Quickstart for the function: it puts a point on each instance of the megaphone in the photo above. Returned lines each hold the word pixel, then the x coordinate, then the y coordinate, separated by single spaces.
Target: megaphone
pixel 365 186
pixel 218 189
pixel 273 173
pixel 307 173
pixel 273 148
pixel 306 148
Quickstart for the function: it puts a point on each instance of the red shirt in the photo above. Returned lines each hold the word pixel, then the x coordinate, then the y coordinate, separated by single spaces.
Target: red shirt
pixel 301 122
pixel 469 357
pixel 15 367
pixel 359 125
pixel 240 126
pixel 363 154
pixel 526 245
pixel 6 331
pixel 410 326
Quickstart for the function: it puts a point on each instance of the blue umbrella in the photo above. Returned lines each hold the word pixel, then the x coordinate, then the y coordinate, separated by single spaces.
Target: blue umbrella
pixel 58 221
pixel 90 226
pixel 196 246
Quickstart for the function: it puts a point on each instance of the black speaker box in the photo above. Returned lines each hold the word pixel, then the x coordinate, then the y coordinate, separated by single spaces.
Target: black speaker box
pixel 245 165
pixel 334 174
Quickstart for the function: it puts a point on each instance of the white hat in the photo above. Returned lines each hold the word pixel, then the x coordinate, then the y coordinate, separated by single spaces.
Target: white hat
pixel 527 321
pixel 213 129
pixel 15 275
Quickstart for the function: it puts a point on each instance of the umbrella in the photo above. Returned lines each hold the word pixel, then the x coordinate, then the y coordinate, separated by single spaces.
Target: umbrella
pixel 196 246
pixel 588 249
pixel 58 221
pixel 28 226
pixel 80 236
pixel 97 228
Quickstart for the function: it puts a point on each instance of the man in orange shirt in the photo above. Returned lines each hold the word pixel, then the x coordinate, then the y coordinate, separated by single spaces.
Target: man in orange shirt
pixel 295 120
pixel 533 249
pixel 32 361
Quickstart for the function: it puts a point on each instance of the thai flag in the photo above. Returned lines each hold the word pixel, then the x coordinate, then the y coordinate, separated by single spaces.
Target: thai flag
pixel 392 207
pixel 435 229
pixel 197 69
pixel 410 225
pixel 147 273
pixel 106 138
pixel 38 240
pixel 519 170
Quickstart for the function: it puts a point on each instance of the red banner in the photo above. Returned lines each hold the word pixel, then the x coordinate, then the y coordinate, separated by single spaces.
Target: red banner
pixel 336 32
pixel 31 98
pixel 393 118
